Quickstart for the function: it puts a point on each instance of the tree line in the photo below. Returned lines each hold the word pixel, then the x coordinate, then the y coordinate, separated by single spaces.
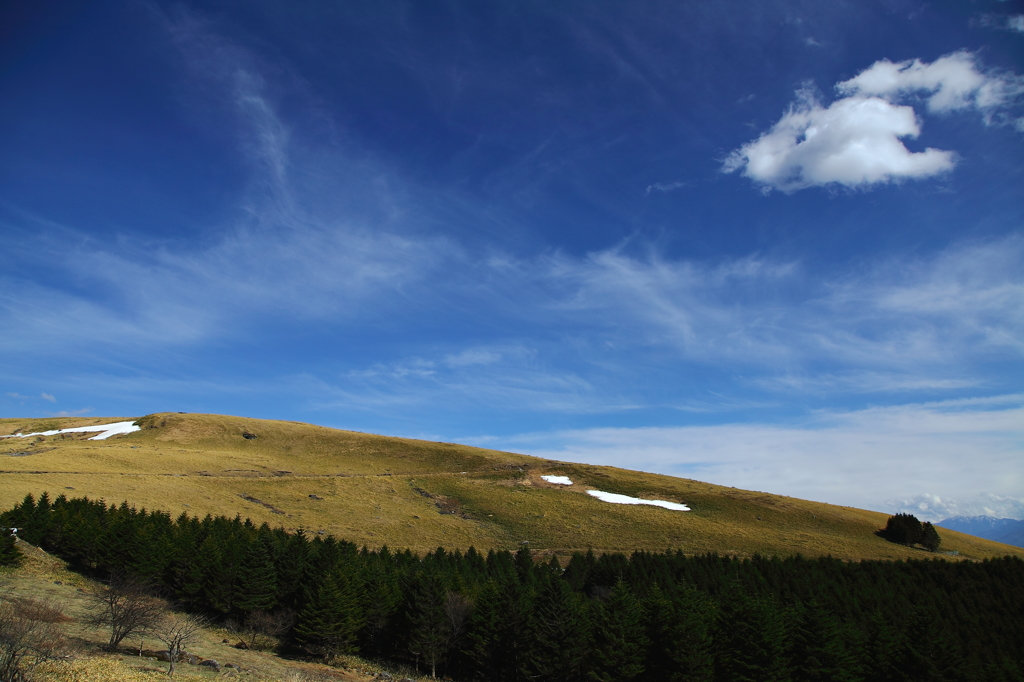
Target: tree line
pixel 906 529
pixel 505 616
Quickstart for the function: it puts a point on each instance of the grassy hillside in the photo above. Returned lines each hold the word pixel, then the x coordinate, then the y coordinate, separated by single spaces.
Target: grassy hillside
pixel 45 579
pixel 377 490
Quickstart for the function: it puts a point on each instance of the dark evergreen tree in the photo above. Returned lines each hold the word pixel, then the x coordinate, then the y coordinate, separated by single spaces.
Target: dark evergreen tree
pixel 904 529
pixel 751 640
pixel 679 627
pixel 882 645
pixel 382 599
pixel 498 639
pixel 560 633
pixel 214 576
pixel 620 640
pixel 256 581
pixel 9 554
pixel 293 569
pixel 329 624
pixel 819 650
pixel 928 652
pixel 578 570
pixel 930 537
pixel 431 635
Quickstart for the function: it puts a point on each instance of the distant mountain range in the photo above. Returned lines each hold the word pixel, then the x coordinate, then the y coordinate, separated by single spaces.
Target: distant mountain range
pixel 1007 531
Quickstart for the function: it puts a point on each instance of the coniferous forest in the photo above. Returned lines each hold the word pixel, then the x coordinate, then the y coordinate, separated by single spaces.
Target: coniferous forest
pixel 504 616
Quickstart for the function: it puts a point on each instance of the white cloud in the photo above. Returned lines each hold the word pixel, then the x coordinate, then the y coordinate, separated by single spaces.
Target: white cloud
pixel 857 141
pixel 853 142
pixel 47 396
pixel 1016 23
pixel 951 82
pixel 864 458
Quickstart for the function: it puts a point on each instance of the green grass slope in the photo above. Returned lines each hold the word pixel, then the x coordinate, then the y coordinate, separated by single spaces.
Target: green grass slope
pixel 377 490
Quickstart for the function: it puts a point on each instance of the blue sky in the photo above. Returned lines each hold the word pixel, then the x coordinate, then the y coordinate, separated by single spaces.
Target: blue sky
pixel 775 245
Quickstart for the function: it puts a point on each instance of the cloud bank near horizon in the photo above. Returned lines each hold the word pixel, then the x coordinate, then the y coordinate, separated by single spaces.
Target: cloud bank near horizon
pixel 934 508
pixel 864 458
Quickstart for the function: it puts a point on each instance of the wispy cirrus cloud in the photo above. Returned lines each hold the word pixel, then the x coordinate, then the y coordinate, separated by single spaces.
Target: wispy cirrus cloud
pixel 507 377
pixel 664 187
pixel 41 396
pixel 922 326
pixel 857 140
pixel 899 313
pixel 137 294
pixel 1006 22
pixel 861 382
pixel 72 413
pixel 288 254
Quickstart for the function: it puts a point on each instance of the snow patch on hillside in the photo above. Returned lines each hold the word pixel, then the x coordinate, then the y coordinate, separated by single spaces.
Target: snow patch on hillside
pixel 560 480
pixel 107 430
pixel 615 498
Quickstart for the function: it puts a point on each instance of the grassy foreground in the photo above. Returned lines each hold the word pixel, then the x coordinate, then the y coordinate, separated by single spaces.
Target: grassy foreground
pixel 377 490
pixel 45 578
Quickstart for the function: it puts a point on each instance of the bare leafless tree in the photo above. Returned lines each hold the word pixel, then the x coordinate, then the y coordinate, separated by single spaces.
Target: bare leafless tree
pixel 127 608
pixel 262 629
pixel 178 631
pixel 457 609
pixel 31 633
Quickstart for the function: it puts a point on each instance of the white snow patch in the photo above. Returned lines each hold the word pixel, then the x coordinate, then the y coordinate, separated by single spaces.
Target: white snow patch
pixel 560 480
pixel 615 498
pixel 107 430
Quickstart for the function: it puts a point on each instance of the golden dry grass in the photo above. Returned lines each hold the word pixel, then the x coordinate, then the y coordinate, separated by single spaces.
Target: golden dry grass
pixel 46 579
pixel 377 490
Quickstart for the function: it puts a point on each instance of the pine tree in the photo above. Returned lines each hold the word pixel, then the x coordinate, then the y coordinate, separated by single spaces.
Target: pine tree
pixel 382 599
pixel 929 652
pixel 431 632
pixel 9 554
pixel 930 537
pixel 751 640
pixel 882 646
pixel 215 576
pixel 904 529
pixel 293 569
pixel 819 651
pixel 560 633
pixel 329 624
pixel 679 628
pixel 256 582
pixel 498 639
pixel 620 643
